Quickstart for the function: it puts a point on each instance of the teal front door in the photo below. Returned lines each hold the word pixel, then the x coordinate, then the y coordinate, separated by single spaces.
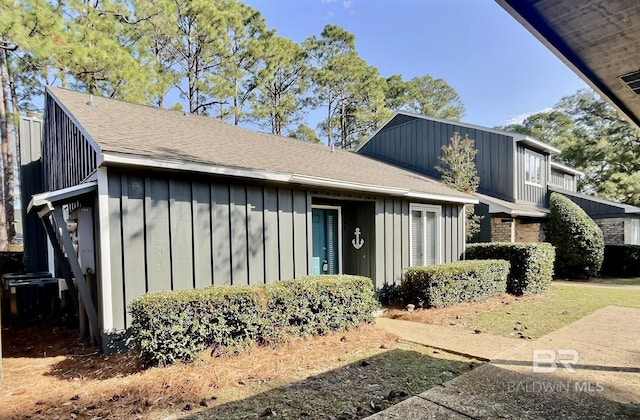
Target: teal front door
pixel 325 241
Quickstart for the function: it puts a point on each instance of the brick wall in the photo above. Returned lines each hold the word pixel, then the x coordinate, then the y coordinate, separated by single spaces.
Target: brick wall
pixel 613 230
pixel 501 230
pixel 529 232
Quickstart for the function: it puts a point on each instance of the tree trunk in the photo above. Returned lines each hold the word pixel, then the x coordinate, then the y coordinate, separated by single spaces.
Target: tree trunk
pixel 4 142
pixel 7 156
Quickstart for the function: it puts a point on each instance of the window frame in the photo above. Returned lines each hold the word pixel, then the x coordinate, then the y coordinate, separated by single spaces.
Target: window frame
pixel 426 208
pixel 531 157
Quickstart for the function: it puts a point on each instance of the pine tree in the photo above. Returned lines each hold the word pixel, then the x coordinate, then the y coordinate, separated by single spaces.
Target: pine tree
pixel 458 171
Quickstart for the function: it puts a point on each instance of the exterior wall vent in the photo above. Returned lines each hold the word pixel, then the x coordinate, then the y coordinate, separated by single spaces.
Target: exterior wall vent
pixel 632 81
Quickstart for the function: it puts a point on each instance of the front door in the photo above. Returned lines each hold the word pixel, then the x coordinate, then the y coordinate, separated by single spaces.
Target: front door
pixel 325 241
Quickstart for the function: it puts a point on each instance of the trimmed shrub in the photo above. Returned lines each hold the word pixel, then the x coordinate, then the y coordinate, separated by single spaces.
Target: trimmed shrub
pixel 578 240
pixel 178 325
pixel 447 284
pixel 621 261
pixel 531 263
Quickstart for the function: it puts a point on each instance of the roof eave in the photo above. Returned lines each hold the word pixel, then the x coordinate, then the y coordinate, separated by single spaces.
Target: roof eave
pixel 557 46
pixel 118 159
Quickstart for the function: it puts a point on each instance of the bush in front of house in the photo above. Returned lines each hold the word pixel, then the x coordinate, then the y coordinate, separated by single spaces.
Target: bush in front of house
pixel 578 240
pixel 178 325
pixel 531 263
pixel 451 283
pixel 621 261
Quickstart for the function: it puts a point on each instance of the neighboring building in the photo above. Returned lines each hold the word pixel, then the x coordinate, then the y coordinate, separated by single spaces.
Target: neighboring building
pixel 179 201
pixel 514 169
pixel 516 173
pixel 598 40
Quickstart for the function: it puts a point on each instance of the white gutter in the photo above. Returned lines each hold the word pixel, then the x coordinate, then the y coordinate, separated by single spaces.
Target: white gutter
pixel 566 169
pixel 121 159
pixel 441 197
pixel 132 160
pixel 539 144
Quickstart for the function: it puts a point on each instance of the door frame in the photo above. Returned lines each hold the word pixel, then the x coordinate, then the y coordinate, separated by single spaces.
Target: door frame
pixel 339 209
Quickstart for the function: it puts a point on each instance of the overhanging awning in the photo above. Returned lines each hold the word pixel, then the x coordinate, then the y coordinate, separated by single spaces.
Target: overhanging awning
pixel 50 198
pixel 498 206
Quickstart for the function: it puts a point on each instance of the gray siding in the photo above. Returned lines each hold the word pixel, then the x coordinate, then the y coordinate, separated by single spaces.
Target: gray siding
pixel 417 143
pixel 392 233
pixel 562 180
pixel 528 193
pixel 170 234
pixel 597 209
pixel 32 182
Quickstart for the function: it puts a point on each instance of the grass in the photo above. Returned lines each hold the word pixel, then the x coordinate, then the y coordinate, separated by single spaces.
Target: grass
pixel 632 281
pixel 560 306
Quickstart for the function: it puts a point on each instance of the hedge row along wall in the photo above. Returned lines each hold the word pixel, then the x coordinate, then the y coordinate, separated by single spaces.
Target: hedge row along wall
pixel 447 284
pixel 531 263
pixel 178 325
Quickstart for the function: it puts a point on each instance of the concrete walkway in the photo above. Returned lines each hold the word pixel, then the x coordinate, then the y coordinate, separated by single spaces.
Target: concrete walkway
pixel 600 377
pixel 457 340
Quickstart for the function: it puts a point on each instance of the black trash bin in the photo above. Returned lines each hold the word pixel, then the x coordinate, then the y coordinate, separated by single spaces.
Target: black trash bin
pixel 28 297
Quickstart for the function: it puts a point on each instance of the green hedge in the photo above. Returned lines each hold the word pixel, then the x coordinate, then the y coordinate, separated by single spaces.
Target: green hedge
pixel 531 263
pixel 578 240
pixel 178 325
pixel 621 261
pixel 447 284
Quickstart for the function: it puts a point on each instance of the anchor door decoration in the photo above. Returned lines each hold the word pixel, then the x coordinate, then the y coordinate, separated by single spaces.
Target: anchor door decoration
pixel 357 241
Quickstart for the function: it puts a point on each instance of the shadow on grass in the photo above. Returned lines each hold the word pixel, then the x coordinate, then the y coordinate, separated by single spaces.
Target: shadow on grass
pixel 355 390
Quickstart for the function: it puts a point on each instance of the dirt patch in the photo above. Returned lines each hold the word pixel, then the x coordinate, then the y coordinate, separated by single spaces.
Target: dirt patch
pixel 460 314
pixel 49 374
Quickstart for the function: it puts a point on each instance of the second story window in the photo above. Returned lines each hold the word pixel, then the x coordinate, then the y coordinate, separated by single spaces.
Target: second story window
pixel 532 167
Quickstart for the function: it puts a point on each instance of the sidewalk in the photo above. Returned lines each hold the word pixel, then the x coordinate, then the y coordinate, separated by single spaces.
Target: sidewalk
pixel 482 346
pixel 605 382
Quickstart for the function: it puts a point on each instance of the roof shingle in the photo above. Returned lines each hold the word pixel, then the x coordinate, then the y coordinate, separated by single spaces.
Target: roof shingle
pixel 137 130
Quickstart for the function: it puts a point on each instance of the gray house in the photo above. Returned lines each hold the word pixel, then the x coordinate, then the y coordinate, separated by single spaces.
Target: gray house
pixel 152 199
pixel 516 173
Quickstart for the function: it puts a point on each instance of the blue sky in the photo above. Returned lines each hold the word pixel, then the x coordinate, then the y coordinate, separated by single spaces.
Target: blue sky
pixel 499 69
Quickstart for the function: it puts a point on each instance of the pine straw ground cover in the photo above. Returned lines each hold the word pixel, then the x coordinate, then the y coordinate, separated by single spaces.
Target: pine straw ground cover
pixel 48 374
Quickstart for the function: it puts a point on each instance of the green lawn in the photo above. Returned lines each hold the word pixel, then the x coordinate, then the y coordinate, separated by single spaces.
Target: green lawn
pixel 560 306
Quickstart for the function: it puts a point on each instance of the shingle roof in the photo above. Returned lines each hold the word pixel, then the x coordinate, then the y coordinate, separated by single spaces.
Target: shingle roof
pixel 119 127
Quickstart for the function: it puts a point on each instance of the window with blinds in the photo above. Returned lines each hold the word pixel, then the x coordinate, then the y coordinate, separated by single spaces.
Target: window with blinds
pixel 532 167
pixel 425 235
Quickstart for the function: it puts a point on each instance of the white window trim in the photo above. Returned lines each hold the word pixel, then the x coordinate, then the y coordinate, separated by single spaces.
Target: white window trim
pixel 328 207
pixel 438 211
pixel 527 154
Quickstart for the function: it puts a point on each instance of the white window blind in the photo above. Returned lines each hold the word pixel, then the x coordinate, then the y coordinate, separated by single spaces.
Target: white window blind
pixel 532 167
pixel 425 235
pixel 416 236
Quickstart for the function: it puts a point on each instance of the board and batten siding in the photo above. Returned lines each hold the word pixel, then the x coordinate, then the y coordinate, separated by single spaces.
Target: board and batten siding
pixel 168 233
pixel 172 234
pixel 527 192
pixel 68 157
pixel 31 182
pixel 416 144
pixel 393 237
pixel 562 180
